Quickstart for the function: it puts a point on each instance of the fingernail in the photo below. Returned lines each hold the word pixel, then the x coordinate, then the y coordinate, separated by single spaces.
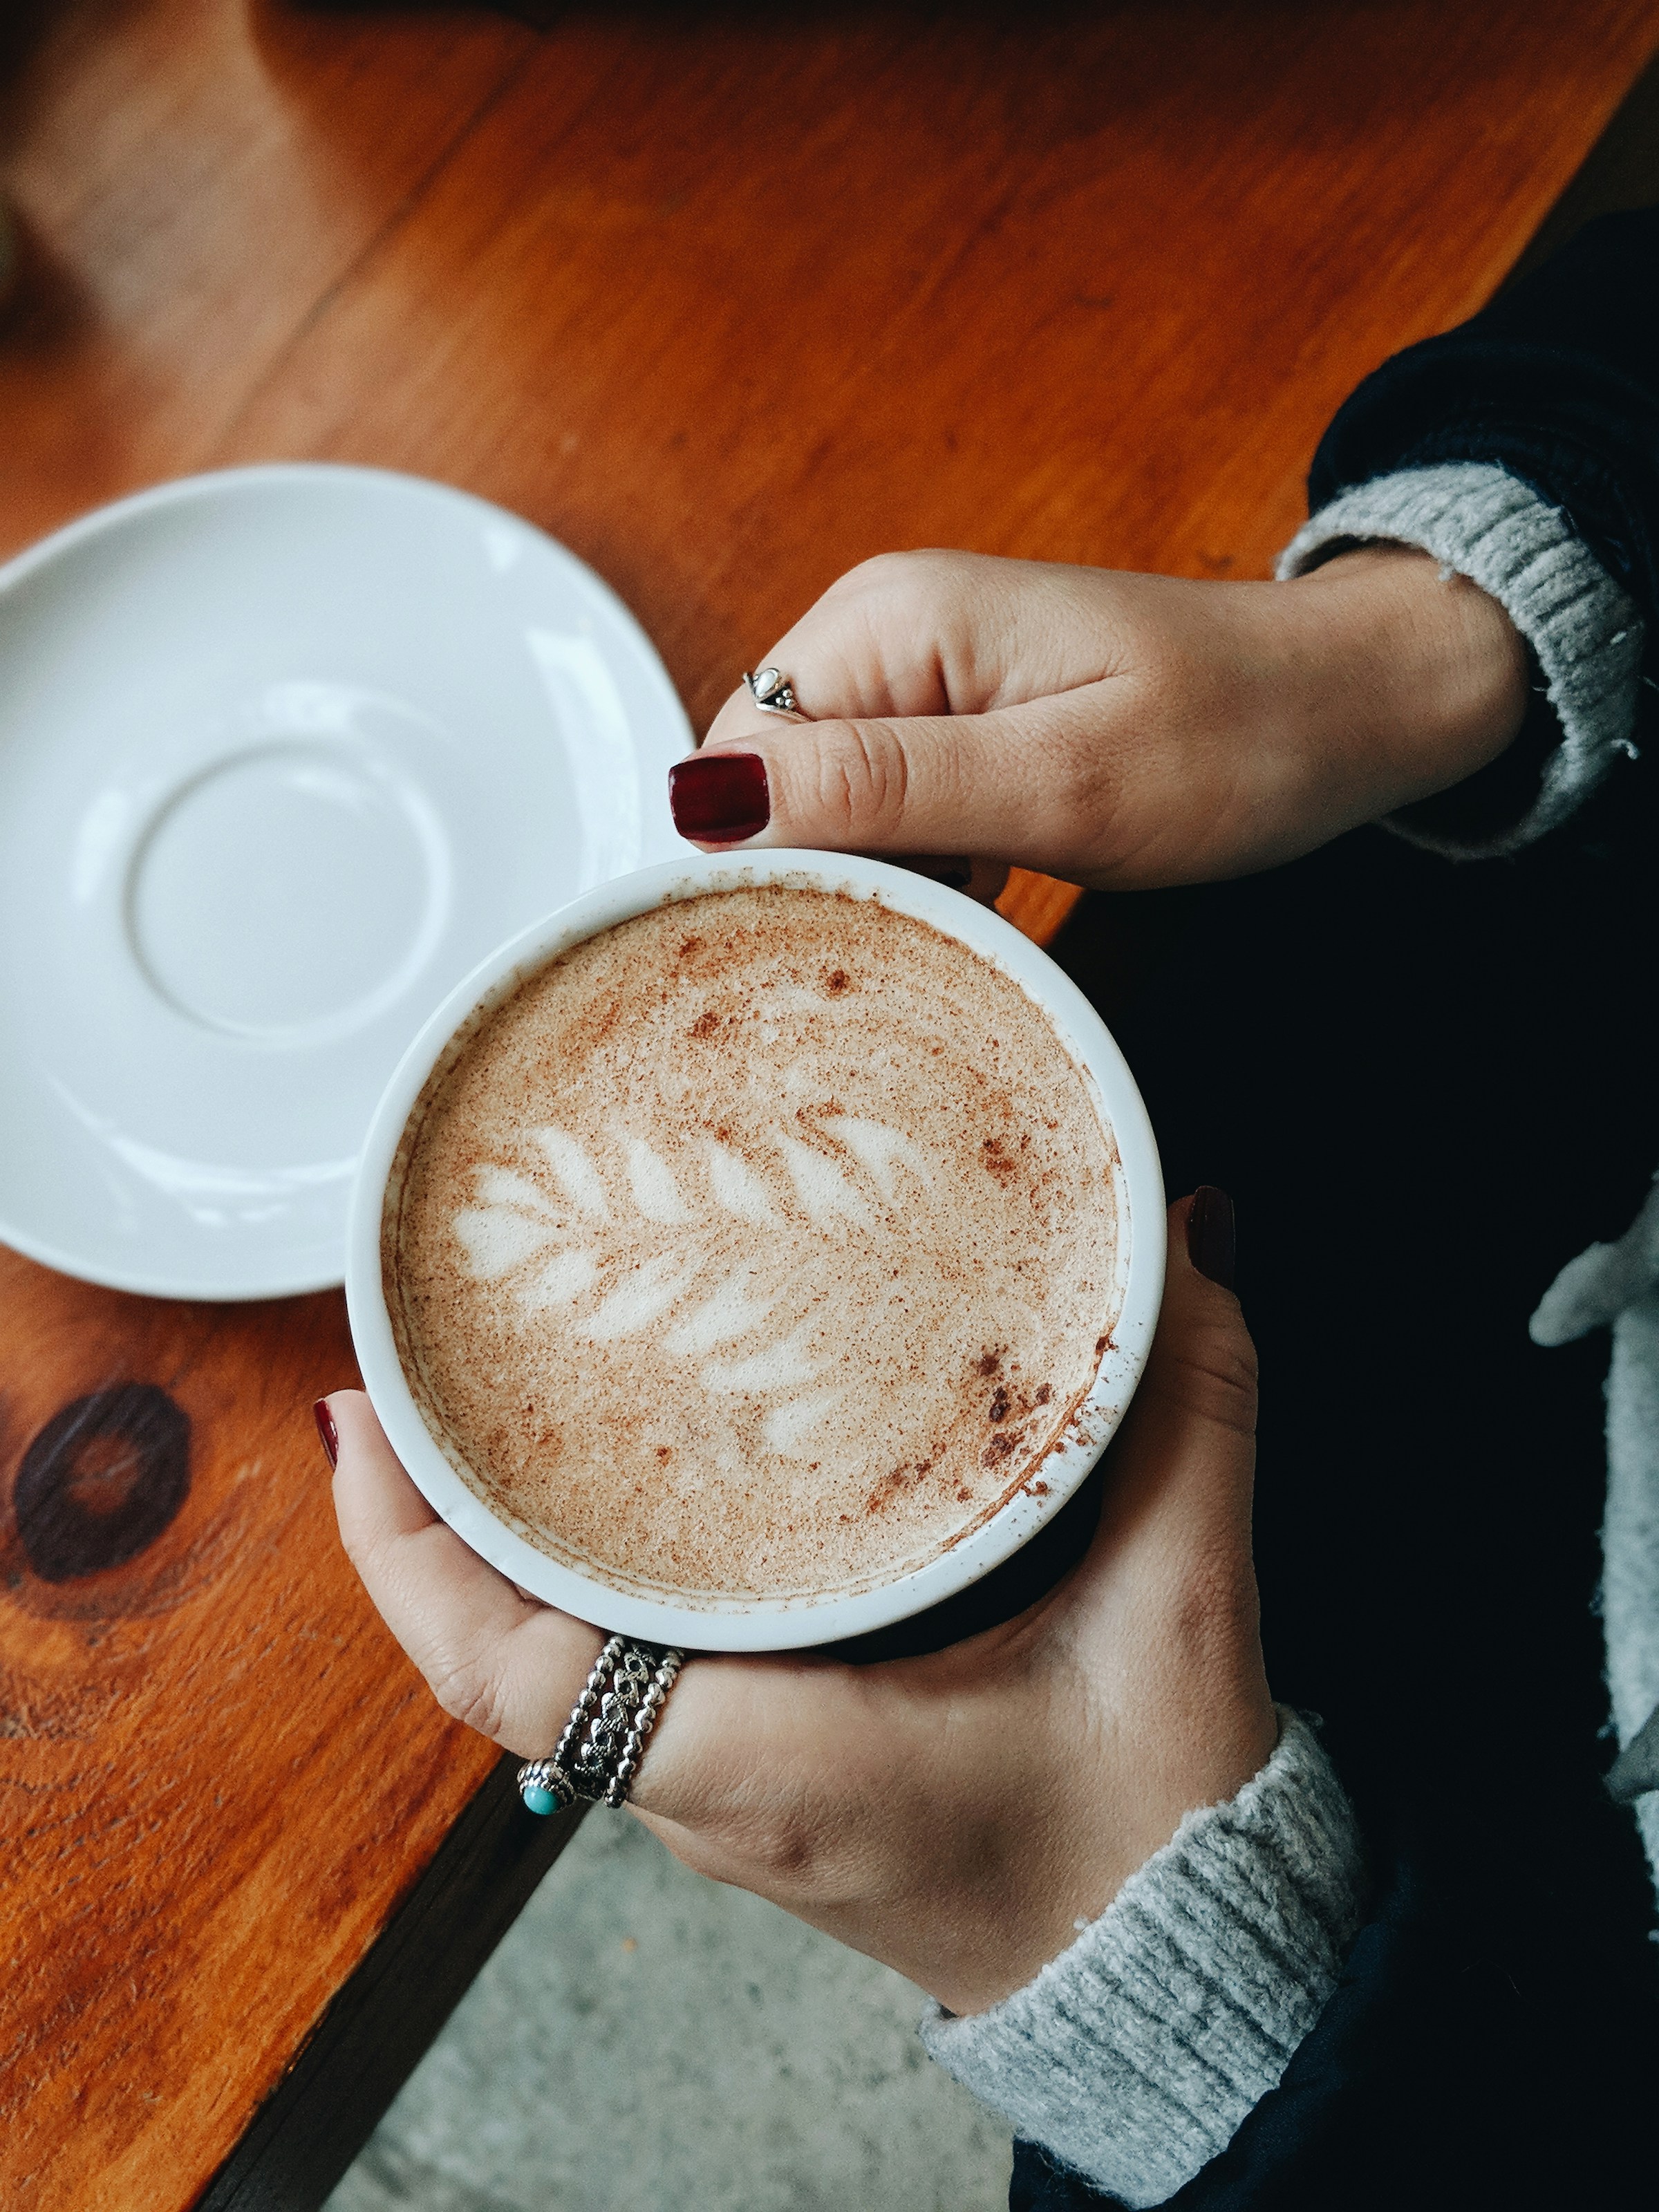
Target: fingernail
pixel 1212 1235
pixel 719 798
pixel 326 1431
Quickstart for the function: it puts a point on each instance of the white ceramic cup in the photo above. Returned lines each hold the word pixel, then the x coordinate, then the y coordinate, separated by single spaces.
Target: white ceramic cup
pixel 759 1624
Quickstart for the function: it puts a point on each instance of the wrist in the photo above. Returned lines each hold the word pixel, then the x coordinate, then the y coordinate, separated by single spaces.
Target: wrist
pixel 1111 1802
pixel 1418 678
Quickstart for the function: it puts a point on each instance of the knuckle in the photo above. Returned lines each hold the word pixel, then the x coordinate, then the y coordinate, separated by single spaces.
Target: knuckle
pixel 863 781
pixel 1215 1375
pixel 787 1851
pixel 1081 777
pixel 779 1842
pixel 469 1694
pixel 885 575
pixel 1078 781
pixel 768 1861
pixel 757 1839
pixel 901 588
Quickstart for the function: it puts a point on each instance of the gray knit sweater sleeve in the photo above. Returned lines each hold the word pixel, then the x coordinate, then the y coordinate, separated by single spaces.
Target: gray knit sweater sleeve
pixel 1480 522
pixel 1134 2056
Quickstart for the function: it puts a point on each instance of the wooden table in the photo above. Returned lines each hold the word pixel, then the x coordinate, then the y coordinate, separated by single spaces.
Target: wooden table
pixel 727 304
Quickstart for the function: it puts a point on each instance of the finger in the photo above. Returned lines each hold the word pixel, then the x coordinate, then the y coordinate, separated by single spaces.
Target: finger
pixel 951 709
pixel 1028 784
pixel 1202 1370
pixel 788 1775
pixel 504 1664
pixel 943 632
pixel 905 634
pixel 1183 1463
pixel 733 1730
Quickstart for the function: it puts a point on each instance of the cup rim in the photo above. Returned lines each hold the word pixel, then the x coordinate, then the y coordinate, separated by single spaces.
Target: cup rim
pixel 761 1624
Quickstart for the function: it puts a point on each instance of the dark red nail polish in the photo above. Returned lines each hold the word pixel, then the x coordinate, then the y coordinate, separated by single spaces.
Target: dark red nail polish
pixel 719 798
pixel 1212 1235
pixel 326 1431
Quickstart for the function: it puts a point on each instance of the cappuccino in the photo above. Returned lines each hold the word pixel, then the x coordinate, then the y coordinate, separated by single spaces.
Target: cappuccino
pixel 761 1245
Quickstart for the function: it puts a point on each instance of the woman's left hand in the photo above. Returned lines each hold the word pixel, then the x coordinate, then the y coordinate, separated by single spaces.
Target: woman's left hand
pixel 954 1815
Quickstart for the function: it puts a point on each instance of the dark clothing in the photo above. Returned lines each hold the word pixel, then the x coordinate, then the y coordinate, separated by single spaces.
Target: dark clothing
pixel 1428 1085
pixel 1557 380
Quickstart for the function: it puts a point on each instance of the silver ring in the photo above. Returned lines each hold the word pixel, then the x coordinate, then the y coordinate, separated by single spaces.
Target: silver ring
pixel 598 1753
pixel 772 693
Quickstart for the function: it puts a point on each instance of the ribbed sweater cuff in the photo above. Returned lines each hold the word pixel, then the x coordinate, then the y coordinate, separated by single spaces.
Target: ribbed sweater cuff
pixel 1486 524
pixel 1134 2056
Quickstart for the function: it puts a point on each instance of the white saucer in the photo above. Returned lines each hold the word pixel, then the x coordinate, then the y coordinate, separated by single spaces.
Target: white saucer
pixel 284 752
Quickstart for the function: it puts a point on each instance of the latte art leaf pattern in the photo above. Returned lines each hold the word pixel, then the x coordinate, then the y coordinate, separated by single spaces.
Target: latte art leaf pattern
pixel 764 1243
pixel 690 1298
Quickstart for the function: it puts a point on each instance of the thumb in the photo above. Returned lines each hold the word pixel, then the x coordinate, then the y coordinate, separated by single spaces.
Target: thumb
pixel 1202 1370
pixel 1165 1604
pixel 1184 1461
pixel 999 785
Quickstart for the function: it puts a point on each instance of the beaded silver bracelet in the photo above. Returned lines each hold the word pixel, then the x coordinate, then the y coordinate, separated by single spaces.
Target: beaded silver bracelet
pixel 598 1753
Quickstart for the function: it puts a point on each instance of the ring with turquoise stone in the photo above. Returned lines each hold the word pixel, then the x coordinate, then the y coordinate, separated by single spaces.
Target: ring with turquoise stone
pixel 544 1787
pixel 598 1753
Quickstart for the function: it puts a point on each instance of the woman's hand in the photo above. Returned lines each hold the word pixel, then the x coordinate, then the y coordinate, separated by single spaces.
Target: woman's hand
pixel 1119 731
pixel 954 1815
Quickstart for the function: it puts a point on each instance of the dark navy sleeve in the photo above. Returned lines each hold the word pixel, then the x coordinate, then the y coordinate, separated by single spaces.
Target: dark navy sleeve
pixel 1453 2068
pixel 1438 2077
pixel 1557 380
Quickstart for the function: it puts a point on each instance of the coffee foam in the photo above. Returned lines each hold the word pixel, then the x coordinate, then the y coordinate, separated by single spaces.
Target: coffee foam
pixel 762 1245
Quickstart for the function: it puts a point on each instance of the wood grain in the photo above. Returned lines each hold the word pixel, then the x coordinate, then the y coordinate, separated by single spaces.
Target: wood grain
pixel 194 179
pixel 216 1779
pixel 1055 287
pixel 727 302
pixel 378 2025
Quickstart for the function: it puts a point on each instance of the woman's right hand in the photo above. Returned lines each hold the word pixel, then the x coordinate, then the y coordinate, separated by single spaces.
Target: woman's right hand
pixel 1116 730
pixel 955 1814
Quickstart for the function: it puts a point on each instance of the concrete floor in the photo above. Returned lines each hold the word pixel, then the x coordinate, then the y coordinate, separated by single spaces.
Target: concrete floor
pixel 646 2041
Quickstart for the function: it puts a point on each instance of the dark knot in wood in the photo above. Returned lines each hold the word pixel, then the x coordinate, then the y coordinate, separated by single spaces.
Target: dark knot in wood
pixel 101 1480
